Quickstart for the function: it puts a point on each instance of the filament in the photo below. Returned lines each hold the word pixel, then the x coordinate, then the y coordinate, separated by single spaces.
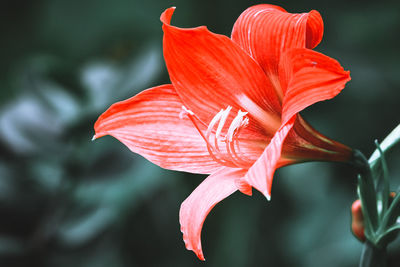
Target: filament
pixel 212 136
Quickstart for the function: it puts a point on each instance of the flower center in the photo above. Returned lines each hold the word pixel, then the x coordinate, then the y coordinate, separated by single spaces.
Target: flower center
pixel 223 148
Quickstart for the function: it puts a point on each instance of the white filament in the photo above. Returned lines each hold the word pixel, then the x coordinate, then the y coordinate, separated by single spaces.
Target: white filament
pixel 230 158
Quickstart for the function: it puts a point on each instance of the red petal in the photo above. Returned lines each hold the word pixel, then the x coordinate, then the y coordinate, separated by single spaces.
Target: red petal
pixel 210 72
pixel 308 77
pixel 260 175
pixel 266 31
pixel 149 124
pixel 196 207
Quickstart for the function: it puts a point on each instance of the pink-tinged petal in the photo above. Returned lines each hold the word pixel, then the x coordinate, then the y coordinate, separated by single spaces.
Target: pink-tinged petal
pixel 149 124
pixel 210 73
pixel 267 31
pixel 308 77
pixel 196 207
pixel 260 175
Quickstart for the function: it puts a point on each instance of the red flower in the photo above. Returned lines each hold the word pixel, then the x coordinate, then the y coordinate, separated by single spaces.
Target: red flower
pixel 232 108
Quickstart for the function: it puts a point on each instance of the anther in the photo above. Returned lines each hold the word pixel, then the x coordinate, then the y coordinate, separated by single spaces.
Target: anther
pixel 222 121
pixel 237 122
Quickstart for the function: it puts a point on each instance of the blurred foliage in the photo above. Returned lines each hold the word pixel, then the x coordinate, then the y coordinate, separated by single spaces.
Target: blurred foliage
pixel 66 201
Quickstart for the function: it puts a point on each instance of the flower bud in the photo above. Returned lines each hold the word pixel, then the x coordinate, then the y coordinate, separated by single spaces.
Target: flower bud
pixel 357 218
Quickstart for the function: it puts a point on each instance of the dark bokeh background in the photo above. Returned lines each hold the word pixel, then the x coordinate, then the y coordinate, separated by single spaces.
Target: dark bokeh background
pixel 66 201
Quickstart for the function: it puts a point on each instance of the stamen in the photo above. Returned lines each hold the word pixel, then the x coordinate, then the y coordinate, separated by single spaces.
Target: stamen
pixel 223 120
pixel 237 124
pixel 235 145
pixel 231 158
pixel 221 124
pixel 210 149
pixel 213 122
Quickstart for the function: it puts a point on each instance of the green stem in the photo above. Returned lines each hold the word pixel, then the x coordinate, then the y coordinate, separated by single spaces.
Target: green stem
pixel 392 139
pixel 360 162
pixel 372 256
pixel 382 185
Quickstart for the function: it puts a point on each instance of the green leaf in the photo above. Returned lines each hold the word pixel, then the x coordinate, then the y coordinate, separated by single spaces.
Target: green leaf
pixel 389 235
pixel 392 213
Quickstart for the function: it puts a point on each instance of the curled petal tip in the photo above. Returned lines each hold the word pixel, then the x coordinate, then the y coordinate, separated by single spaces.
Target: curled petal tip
pixel 198 251
pixel 267 192
pixel 94 137
pixel 200 256
pixel 348 75
pixel 167 15
pixel 189 244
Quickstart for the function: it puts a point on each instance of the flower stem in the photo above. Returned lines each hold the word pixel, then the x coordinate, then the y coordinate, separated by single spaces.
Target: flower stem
pixel 372 256
pixel 360 162
pixel 392 139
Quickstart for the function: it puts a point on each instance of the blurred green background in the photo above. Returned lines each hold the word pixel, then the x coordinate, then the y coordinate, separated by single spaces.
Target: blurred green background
pixel 67 201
